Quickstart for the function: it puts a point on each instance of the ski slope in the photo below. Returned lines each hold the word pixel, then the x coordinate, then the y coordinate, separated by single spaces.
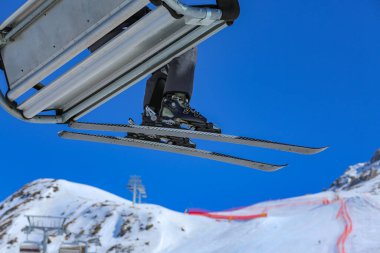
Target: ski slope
pixel 344 219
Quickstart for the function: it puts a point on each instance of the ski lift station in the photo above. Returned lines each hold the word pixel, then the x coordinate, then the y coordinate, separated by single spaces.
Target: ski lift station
pixel 43 35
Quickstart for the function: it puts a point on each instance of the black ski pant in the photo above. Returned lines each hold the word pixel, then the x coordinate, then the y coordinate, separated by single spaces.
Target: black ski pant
pixel 175 77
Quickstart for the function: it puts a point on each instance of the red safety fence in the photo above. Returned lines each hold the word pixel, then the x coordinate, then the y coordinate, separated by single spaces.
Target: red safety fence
pixel 227 217
pixel 342 213
pixel 345 215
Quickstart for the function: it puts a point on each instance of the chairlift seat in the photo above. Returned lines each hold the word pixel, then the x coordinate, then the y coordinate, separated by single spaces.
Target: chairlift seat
pixel 30 247
pixel 71 248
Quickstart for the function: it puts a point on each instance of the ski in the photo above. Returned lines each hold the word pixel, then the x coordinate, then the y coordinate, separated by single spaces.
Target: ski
pixel 171 148
pixel 184 133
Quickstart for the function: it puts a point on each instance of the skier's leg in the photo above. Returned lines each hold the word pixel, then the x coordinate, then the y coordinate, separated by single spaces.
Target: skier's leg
pixel 175 106
pixel 176 77
pixel 181 74
pixel 154 93
pixel 154 90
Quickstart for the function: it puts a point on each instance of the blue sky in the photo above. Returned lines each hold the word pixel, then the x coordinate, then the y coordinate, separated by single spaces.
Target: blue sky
pixel 303 72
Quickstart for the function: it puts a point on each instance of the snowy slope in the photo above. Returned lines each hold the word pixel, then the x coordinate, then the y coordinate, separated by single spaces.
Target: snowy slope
pixel 311 223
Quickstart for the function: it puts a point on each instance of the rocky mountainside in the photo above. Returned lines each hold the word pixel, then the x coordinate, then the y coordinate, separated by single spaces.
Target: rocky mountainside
pixel 343 219
pixel 361 174
pixel 90 212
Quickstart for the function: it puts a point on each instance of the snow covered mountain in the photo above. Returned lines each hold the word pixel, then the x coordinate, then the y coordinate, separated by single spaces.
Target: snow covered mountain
pixel 346 218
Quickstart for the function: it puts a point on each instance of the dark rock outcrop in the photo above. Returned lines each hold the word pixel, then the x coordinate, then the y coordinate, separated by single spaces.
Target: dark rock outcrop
pixel 376 156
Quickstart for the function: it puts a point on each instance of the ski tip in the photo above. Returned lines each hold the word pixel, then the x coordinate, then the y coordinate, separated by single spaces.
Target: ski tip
pixel 318 150
pixel 269 167
pixel 279 167
pixel 323 149
pixel 61 133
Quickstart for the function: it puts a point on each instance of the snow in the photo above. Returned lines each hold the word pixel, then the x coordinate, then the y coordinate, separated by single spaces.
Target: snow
pixel 303 224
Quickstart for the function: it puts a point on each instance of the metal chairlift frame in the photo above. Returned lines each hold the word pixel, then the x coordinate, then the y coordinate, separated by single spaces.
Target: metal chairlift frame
pixel 45 224
pixel 44 35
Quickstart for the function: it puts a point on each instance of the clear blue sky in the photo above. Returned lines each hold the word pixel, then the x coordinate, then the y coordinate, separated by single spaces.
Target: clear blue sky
pixel 303 72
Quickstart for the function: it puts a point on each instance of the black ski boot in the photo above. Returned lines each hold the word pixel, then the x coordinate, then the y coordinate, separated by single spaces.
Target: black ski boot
pixel 176 112
pixel 150 118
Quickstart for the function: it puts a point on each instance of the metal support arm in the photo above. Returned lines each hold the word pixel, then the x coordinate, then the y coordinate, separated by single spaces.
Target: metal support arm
pixel 194 12
pixel 228 10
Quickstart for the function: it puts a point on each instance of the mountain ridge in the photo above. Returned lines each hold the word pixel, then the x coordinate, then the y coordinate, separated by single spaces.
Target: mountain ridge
pixel 329 221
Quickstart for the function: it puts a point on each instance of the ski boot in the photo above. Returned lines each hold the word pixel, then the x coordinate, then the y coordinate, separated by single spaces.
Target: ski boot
pixel 150 118
pixel 176 112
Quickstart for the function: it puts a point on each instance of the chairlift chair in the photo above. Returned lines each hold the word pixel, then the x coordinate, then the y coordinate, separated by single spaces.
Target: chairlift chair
pixel 43 35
